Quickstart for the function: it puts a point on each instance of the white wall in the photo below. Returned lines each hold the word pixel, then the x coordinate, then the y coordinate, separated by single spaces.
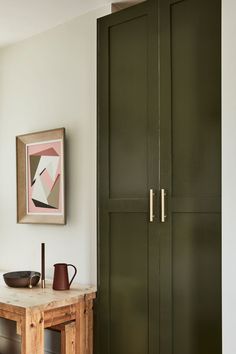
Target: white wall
pixel 46 82
pixel 229 174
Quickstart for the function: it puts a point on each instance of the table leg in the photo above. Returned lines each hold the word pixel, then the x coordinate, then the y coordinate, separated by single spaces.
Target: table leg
pixel 32 332
pixel 89 326
pixel 68 338
pixel 80 330
pixel 67 331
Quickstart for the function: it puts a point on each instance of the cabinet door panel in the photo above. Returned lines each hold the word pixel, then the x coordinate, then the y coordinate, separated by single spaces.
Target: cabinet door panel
pixel 128 283
pixel 196 287
pixel 190 161
pixel 195 70
pixel 128 143
pixel 128 107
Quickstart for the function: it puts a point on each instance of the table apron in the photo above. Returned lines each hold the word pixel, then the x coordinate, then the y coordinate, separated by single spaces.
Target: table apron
pixel 59 315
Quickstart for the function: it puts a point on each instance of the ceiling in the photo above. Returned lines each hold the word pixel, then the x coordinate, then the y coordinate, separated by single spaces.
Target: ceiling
pixel 20 19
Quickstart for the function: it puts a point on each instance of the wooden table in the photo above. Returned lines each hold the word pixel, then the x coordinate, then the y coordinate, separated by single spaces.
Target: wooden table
pixel 36 309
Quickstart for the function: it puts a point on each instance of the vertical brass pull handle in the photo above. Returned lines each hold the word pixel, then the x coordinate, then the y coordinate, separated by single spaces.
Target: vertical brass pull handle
pixel 151 213
pixel 163 211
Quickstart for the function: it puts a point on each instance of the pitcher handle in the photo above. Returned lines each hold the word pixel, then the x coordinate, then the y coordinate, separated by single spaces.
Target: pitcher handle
pixel 71 265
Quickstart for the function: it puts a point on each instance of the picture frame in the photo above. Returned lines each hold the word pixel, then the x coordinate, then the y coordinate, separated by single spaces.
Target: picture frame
pixel 40 174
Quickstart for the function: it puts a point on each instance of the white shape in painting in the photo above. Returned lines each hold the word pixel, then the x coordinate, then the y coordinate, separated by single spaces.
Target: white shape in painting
pixel 38 192
pixel 50 163
pixel 52 167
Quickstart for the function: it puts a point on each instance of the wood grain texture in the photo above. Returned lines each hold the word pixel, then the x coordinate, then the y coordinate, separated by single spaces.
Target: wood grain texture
pixel 32 332
pixel 89 325
pixel 44 299
pixel 67 331
pixel 37 308
pixel 68 339
pixel 63 314
pixel 80 329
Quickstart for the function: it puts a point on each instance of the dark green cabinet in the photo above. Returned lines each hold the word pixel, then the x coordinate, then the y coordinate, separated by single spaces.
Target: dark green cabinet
pixel 159 127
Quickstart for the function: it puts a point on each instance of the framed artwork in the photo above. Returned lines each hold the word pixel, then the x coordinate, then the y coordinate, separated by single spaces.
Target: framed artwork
pixel 41 177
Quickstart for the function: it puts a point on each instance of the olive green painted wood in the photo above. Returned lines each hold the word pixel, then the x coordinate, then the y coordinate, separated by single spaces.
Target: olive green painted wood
pixel 128 104
pixel 196 285
pixel 128 283
pixel 190 164
pixel 159 284
pixel 128 269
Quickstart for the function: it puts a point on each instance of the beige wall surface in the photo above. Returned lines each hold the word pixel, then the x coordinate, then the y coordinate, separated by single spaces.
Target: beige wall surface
pixel 46 82
pixel 229 175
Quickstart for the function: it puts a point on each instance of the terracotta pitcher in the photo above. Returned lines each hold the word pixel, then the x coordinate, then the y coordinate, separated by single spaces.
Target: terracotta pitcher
pixel 61 278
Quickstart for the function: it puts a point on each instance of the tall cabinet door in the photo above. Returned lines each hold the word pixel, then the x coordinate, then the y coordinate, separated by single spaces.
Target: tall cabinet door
pixel 128 169
pixel 159 128
pixel 190 157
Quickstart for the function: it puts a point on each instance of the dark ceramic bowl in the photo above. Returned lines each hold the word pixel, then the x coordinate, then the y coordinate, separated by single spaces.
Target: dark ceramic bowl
pixel 21 279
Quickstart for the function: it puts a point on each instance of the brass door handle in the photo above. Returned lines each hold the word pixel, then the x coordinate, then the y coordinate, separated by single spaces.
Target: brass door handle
pixel 163 207
pixel 151 213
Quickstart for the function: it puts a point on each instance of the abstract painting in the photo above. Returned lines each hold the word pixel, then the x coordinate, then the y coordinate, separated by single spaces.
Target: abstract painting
pixel 41 186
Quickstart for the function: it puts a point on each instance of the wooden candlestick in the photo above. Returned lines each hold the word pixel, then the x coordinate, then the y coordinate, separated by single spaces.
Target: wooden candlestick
pixel 42 265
